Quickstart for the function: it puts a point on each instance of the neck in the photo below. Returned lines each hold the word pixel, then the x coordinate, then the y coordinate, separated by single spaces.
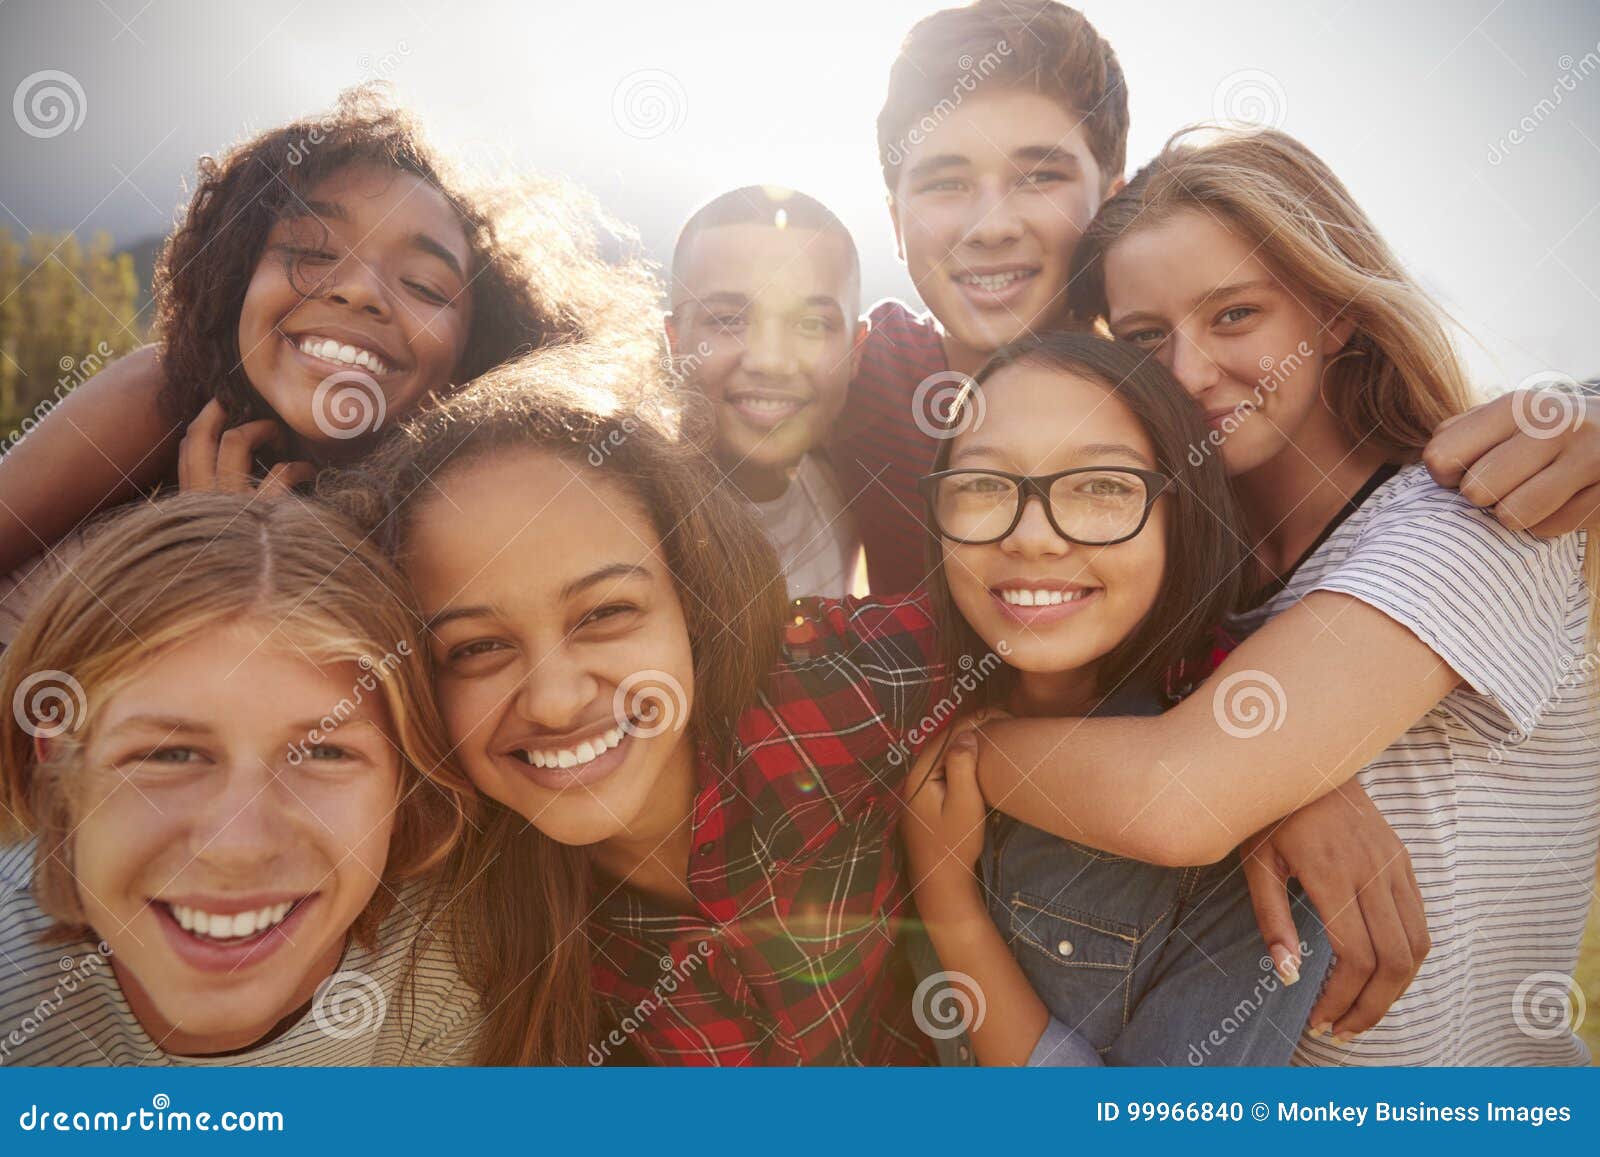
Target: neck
pixel 1290 499
pixel 652 854
pixel 175 1040
pixel 962 358
pixel 1056 694
pixel 759 483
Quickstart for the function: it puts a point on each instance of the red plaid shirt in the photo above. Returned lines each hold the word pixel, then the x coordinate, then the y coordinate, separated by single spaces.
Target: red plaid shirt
pixel 878 450
pixel 792 955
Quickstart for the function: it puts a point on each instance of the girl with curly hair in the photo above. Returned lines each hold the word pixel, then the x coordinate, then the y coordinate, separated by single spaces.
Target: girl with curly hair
pixel 329 276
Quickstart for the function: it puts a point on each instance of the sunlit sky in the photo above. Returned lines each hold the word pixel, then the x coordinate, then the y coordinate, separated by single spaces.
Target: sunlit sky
pixel 1410 103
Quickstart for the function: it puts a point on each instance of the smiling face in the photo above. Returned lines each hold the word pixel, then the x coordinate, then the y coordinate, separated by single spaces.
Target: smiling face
pixel 386 262
pixel 565 674
pixel 1057 607
pixel 768 320
pixel 1236 336
pixel 223 871
pixel 988 208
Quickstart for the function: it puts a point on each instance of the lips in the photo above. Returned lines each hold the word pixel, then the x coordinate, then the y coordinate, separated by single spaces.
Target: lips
pixel 201 950
pixel 764 410
pixel 558 768
pixel 1216 419
pixel 1042 603
pixel 330 349
pixel 993 287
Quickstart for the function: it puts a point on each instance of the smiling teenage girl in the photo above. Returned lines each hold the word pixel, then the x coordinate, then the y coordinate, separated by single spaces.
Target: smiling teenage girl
pixel 1406 638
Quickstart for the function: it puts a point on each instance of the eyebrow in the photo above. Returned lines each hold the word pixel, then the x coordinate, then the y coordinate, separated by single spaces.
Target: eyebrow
pixel 420 241
pixel 615 571
pixel 1049 154
pixel 1090 450
pixel 173 725
pixel 933 164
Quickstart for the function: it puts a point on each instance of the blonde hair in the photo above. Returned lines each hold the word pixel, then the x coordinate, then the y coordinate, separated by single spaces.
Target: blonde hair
pixel 1399 376
pixel 156 576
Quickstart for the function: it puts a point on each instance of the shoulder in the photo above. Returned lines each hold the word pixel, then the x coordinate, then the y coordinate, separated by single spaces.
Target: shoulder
pixel 1414 522
pixel 816 627
pixel 898 338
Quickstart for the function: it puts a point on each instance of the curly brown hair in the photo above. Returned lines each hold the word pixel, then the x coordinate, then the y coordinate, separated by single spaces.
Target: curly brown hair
pixel 538 276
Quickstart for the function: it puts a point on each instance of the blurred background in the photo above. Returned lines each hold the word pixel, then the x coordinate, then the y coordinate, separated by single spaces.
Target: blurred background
pixel 1469 129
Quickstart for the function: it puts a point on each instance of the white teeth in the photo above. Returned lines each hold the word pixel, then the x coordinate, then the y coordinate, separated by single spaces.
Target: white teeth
pixel 233 926
pixel 1041 598
pixel 770 404
pixel 588 750
pixel 994 281
pixel 329 350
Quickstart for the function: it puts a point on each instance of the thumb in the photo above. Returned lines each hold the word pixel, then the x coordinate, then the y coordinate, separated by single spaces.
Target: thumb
pixel 1269 896
pixel 961 773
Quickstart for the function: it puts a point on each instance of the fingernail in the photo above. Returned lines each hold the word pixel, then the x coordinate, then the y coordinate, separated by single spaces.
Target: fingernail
pixel 1321 1028
pixel 1342 1038
pixel 1288 972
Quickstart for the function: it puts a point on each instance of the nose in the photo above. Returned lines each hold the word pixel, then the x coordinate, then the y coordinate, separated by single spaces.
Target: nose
pixel 995 221
pixel 556 691
pixel 1192 365
pixel 1033 536
pixel 768 350
pixel 247 822
pixel 355 285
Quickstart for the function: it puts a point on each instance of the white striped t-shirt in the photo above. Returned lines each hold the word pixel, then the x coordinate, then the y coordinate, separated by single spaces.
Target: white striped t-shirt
pixel 60 1004
pixel 1496 791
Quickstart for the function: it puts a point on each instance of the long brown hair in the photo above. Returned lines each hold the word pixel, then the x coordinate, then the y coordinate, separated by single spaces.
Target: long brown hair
pixel 1206 555
pixel 537 273
pixel 1399 376
pixel 520 899
pixel 158 574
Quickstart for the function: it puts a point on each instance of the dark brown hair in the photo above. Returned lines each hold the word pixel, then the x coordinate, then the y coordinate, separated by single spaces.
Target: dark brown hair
pixel 521 897
pixel 1037 45
pixel 536 275
pixel 1206 553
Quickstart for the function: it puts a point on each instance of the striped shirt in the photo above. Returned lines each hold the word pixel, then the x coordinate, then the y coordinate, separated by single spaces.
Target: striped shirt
pixel 60 1004
pixel 880 448
pixel 1496 790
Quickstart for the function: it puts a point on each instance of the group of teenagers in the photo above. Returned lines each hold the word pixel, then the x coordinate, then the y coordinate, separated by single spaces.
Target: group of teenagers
pixel 1151 653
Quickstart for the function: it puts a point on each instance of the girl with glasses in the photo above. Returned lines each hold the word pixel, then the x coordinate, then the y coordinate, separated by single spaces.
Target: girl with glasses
pixel 1077 539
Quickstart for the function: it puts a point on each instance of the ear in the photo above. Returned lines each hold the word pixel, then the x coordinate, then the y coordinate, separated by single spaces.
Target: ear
pixel 41 749
pixel 858 346
pixel 894 219
pixel 1337 335
pixel 670 324
pixel 1113 189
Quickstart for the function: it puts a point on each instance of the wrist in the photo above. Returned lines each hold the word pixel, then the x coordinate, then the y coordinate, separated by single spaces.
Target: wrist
pixel 950 896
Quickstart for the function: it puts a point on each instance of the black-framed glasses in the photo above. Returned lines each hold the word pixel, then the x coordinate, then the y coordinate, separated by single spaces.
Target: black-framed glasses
pixel 1088 505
